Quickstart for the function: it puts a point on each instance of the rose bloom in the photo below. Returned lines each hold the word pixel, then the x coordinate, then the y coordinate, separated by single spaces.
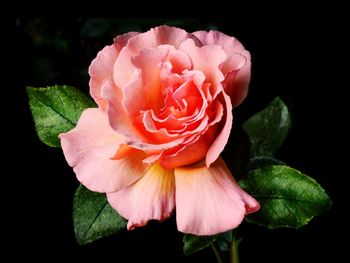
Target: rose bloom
pixel 164 115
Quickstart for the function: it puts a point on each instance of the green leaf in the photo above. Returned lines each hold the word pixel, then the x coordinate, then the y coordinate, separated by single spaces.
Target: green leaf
pixel 268 128
pixel 93 217
pixel 55 110
pixel 224 240
pixel 287 197
pixel 194 243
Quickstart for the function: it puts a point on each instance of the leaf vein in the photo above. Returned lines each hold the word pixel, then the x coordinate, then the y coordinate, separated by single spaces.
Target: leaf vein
pixel 94 220
pixel 283 198
pixel 64 117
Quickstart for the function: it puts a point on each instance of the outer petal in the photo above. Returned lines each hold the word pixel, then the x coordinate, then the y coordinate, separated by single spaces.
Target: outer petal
pixel 161 35
pixel 229 44
pixel 236 82
pixel 118 119
pixel 122 40
pixel 220 141
pixel 88 149
pixel 206 59
pixel 100 70
pixel 209 201
pixel 152 197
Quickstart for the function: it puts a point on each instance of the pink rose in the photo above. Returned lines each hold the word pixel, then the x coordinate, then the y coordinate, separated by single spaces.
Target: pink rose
pixel 164 115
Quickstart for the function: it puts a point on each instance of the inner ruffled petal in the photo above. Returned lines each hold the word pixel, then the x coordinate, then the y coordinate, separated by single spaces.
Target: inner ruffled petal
pixel 178 59
pixel 185 102
pixel 171 104
pixel 146 92
pixel 152 74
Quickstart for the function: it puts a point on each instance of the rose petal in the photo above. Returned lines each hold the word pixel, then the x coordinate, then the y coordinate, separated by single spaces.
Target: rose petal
pixel 233 63
pixel 151 197
pixel 162 35
pixel 179 60
pixel 152 158
pixel 229 44
pixel 236 83
pixel 221 140
pixel 194 95
pixel 206 59
pixel 216 112
pixel 151 148
pixel 88 149
pixel 123 68
pixel 208 200
pixel 100 70
pixel 146 124
pixel 124 151
pixel 184 105
pixel 146 91
pixel 118 119
pixel 189 153
pixel 121 41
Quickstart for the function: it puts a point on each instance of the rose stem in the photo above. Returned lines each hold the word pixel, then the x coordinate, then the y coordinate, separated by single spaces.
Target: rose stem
pixel 217 253
pixel 234 256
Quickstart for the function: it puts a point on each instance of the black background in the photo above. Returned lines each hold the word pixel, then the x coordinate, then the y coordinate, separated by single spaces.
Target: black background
pixel 295 55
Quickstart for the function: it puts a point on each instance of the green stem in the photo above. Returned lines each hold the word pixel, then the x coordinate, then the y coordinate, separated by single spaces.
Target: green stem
pixel 234 256
pixel 217 253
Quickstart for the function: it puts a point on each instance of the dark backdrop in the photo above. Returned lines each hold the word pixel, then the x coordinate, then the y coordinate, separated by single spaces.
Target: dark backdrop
pixel 293 56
